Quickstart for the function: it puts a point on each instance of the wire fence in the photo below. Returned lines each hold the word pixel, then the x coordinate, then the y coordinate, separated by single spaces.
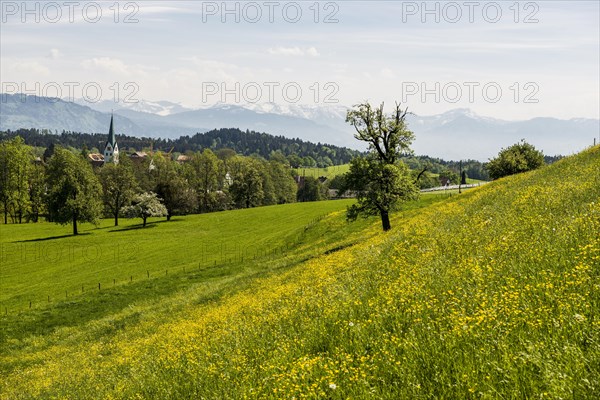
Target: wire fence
pixel 225 255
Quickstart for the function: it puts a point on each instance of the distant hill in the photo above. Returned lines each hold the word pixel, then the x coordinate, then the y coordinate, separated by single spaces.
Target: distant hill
pixel 57 115
pixel 453 135
pixel 245 143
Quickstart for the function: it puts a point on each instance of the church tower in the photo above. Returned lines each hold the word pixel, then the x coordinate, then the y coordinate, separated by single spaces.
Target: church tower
pixel 111 148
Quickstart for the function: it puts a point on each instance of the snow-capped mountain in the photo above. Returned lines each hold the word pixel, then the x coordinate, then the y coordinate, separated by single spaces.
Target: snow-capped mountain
pixel 333 115
pixel 461 133
pixel 162 107
pixel 455 134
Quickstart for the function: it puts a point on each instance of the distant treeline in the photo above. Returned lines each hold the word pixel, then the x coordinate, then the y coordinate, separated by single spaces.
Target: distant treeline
pixel 243 142
pixel 473 168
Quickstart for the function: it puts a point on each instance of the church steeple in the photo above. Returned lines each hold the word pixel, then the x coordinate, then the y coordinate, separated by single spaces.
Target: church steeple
pixel 111 148
pixel 111 132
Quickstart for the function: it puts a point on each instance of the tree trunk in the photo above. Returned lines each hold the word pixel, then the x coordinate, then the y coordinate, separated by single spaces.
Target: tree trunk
pixel 74 224
pixel 117 211
pixel 385 220
pixel 5 214
pixel 168 216
pixel 144 218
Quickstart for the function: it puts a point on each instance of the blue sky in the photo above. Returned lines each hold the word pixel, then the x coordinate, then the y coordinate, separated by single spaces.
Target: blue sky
pixel 534 59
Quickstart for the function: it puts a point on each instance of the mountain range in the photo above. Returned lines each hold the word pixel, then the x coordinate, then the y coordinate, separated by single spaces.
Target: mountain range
pixel 455 134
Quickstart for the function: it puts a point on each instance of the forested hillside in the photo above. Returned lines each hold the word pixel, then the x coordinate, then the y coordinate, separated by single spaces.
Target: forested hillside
pixel 243 142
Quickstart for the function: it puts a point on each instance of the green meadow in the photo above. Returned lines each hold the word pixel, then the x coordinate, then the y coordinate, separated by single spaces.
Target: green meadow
pixel 41 260
pixel 492 293
pixel 328 172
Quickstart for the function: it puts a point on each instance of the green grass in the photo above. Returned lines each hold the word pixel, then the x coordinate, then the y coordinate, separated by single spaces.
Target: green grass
pixel 471 181
pixel 41 260
pixel 328 172
pixel 489 294
pixel 331 172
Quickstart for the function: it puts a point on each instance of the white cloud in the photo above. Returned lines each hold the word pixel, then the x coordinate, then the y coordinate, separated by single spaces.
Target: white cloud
pixel 294 51
pixel 387 73
pixel 312 52
pixel 32 67
pixel 54 54
pixel 108 64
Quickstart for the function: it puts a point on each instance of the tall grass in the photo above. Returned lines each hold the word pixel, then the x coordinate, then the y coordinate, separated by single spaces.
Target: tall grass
pixel 492 294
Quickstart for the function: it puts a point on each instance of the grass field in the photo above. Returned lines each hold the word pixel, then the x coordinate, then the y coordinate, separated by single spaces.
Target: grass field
pixel 41 260
pixel 328 172
pixel 331 172
pixel 493 293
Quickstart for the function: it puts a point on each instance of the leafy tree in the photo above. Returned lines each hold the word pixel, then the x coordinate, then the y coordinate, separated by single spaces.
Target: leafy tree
pixel 226 154
pixel 207 179
pixel 145 205
pixel 335 183
pixel 279 157
pixel 380 180
pixel 15 170
pixel 73 190
pixel 379 188
pixel 520 157
pixel 268 186
pixel 295 161
pixel 118 186
pixel 170 185
pixel 37 192
pixel 284 185
pixel 449 176
pixel 142 170
pixel 246 189
pixel 310 189
pixel 425 180
pixel 48 153
pixel 85 152
pixel 308 161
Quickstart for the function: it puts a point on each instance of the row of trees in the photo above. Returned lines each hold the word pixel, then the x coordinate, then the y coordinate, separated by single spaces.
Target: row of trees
pixel 67 189
pixel 72 191
pixel 298 152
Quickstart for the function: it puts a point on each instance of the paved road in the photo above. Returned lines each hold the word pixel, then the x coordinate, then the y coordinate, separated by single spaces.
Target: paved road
pixel 450 187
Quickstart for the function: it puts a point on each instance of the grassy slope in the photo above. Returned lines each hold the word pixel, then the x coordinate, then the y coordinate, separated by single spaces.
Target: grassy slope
pixel 331 172
pixel 328 172
pixel 492 294
pixel 41 260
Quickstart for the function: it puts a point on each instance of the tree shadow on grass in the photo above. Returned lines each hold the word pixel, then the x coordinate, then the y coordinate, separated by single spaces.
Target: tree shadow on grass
pixel 152 224
pixel 135 227
pixel 52 238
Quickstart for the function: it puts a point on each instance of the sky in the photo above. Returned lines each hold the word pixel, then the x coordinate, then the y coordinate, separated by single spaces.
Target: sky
pixel 506 59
